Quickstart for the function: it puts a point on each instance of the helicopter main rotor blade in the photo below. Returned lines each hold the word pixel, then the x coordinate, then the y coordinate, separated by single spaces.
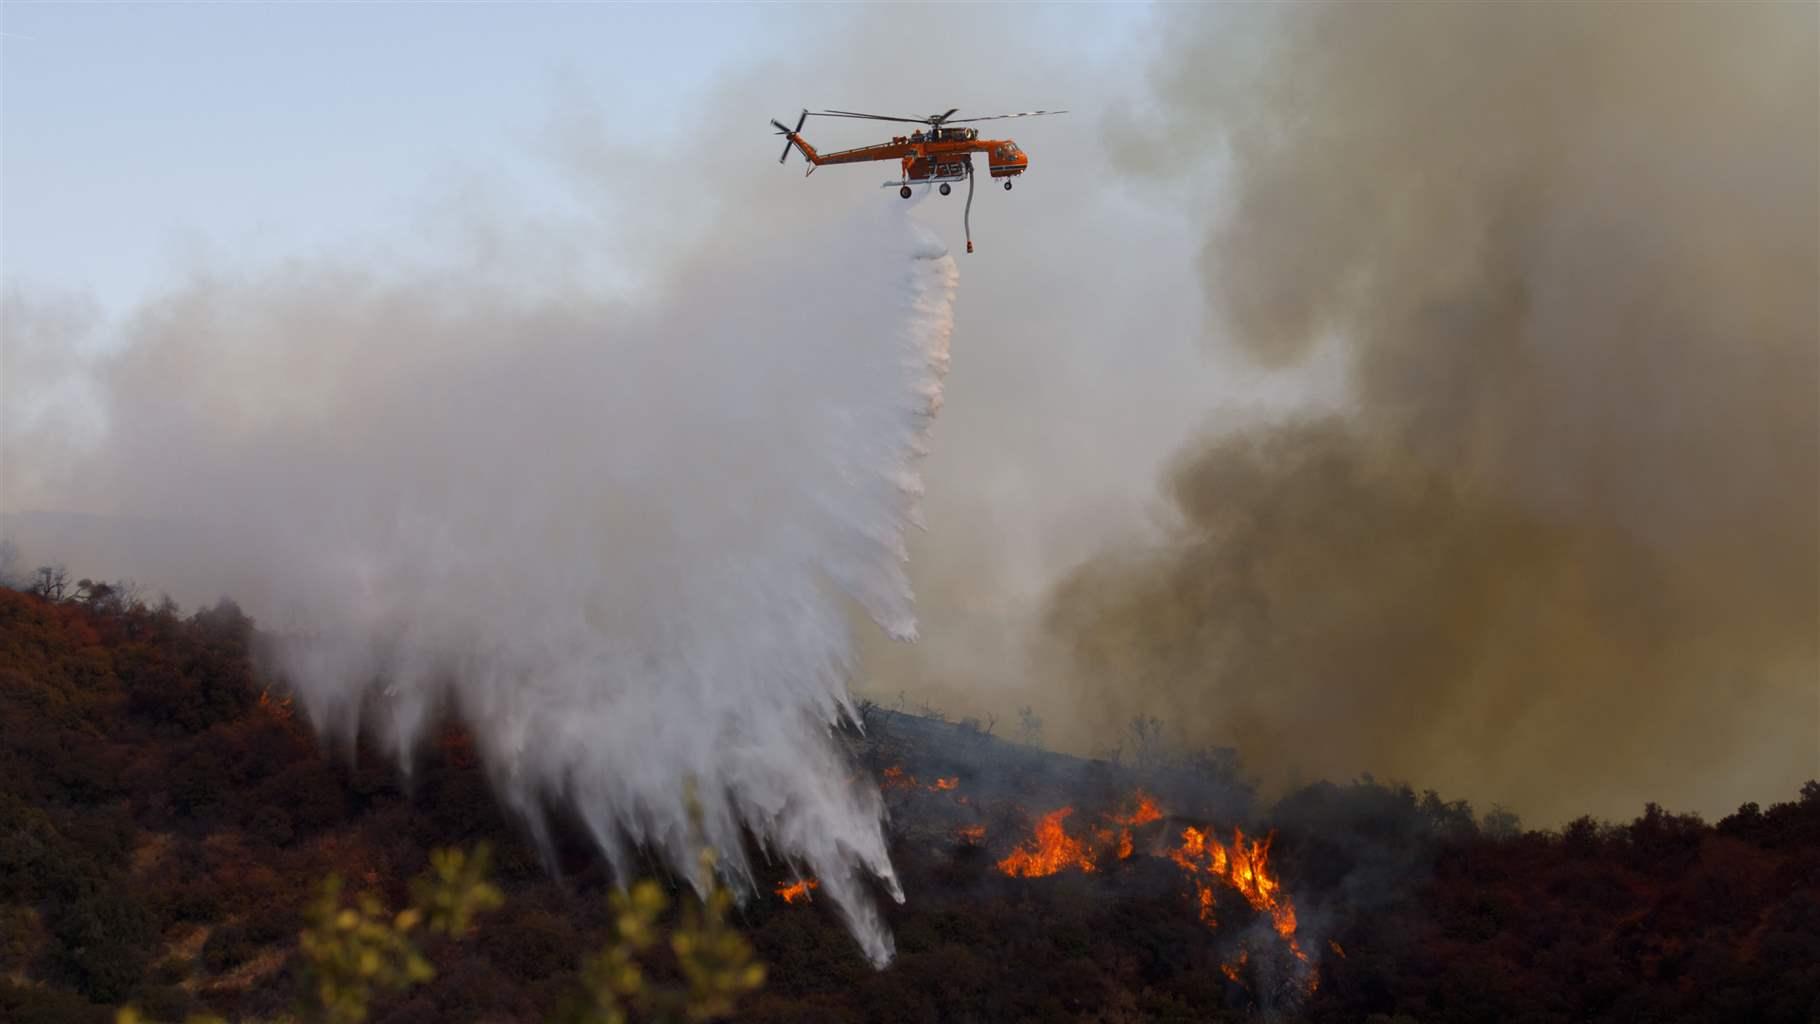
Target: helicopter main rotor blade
pixel 871 117
pixel 943 118
pixel 1001 117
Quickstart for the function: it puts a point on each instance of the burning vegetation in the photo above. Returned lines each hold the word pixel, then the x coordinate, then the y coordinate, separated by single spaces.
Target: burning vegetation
pixel 167 828
pixel 1243 866
pixel 798 890
pixel 1052 850
pixel 894 779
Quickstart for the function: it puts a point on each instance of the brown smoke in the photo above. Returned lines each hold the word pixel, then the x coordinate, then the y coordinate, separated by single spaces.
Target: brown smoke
pixel 1561 551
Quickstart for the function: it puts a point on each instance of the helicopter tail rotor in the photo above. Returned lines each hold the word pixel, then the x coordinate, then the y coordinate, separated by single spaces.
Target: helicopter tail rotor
pixel 789 134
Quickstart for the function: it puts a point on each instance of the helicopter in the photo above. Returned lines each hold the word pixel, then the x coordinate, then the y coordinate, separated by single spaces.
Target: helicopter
pixel 934 154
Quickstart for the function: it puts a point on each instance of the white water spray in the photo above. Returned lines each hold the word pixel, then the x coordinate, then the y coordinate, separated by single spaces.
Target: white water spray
pixel 624 553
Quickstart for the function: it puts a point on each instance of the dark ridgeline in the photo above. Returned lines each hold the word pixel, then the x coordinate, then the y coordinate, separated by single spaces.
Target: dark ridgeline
pixel 165 814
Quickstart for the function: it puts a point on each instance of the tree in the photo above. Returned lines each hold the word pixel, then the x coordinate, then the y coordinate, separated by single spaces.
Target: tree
pixel 49 582
pixel 1146 742
pixel 1029 727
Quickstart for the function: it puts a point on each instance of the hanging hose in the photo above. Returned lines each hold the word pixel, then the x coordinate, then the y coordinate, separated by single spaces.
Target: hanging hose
pixel 968 212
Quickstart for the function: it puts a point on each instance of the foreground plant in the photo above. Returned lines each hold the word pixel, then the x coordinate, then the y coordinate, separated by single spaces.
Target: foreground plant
pixel 718 965
pixel 354 952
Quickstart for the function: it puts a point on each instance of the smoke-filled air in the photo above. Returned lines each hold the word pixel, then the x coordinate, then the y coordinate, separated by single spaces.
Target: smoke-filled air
pixel 1565 525
pixel 619 544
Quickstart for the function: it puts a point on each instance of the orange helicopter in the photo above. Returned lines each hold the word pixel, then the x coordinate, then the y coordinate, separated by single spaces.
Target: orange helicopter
pixel 936 155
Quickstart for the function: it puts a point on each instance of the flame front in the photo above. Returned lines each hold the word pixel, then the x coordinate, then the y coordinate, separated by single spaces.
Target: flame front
pixel 1147 812
pixel 1053 850
pixel 1242 865
pixel 1245 866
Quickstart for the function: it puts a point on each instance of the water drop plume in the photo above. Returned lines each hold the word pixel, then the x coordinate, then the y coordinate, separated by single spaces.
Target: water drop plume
pixel 623 544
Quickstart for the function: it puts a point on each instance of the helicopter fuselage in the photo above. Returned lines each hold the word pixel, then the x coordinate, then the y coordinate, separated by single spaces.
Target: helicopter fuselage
pixel 947 156
pixel 940 154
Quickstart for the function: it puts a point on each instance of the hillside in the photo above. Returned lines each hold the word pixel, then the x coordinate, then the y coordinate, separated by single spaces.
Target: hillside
pixel 165 814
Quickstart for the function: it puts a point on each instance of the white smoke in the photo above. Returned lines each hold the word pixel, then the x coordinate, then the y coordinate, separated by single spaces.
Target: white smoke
pixel 621 544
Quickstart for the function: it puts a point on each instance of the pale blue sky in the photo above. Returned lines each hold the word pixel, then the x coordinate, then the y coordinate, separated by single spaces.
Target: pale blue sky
pixel 139 138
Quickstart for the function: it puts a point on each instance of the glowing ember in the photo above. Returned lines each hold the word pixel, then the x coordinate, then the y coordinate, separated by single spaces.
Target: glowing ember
pixel 1231 968
pixel 974 834
pixel 1053 850
pixel 1338 950
pixel 895 777
pixel 798 891
pixel 277 707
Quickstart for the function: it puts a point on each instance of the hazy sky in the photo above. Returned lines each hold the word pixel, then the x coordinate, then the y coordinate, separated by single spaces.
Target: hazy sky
pixel 139 137
pixel 149 146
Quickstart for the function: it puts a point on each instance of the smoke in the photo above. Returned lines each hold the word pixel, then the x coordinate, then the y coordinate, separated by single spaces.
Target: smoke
pixel 622 543
pixel 1560 547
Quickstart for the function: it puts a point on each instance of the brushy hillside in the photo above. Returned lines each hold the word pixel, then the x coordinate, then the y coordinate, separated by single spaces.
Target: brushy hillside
pixel 165 816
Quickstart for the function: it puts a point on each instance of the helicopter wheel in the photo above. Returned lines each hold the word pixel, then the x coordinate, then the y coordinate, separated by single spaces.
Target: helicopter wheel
pixel 1007 184
pixel 946 188
pixel 905 191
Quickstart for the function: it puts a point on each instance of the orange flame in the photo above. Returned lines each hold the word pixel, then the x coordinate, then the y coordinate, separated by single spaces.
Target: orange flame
pixel 1052 851
pixel 896 778
pixel 1242 865
pixel 798 891
pixel 1147 811
pixel 974 834
pixel 1245 866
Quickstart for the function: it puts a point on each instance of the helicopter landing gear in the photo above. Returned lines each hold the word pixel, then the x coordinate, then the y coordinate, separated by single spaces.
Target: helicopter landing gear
pixel 1007 184
pixel 946 188
pixel 905 191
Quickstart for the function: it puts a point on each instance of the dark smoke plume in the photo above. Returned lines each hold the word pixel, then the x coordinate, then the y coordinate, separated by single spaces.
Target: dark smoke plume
pixel 1560 549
